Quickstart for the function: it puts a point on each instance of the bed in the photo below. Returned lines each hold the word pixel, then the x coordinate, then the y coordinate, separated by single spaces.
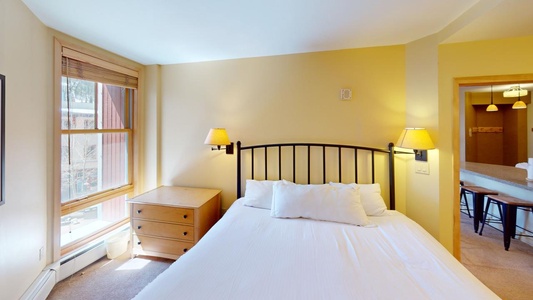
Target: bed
pixel 312 222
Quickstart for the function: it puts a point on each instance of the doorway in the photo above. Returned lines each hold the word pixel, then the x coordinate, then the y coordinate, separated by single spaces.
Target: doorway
pixel 480 84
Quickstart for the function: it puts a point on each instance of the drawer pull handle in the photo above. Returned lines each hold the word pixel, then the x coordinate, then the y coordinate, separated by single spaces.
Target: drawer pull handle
pixel 185 250
pixel 185 216
pixel 139 211
pixel 184 233
pixel 139 227
pixel 138 243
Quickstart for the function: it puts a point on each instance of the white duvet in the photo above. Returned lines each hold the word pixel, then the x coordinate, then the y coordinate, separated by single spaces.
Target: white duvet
pixel 250 255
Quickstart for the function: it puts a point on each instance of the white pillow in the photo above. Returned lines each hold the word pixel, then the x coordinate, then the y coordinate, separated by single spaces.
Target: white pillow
pixel 319 202
pixel 371 199
pixel 258 193
pixel 273 207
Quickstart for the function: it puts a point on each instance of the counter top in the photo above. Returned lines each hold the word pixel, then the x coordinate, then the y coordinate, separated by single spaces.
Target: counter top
pixel 504 174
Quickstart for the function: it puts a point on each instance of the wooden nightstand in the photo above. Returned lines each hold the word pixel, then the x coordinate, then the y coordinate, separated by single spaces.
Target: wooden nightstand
pixel 168 221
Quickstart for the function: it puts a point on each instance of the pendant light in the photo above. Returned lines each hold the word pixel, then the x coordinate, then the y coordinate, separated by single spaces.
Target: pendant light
pixel 519 104
pixel 491 107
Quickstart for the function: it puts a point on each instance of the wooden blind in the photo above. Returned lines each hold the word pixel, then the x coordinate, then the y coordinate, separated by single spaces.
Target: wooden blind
pixel 82 66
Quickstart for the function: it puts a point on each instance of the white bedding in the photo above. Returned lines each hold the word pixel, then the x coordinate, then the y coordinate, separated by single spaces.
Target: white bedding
pixel 250 255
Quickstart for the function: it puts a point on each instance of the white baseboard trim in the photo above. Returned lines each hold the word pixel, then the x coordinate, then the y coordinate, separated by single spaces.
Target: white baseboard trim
pixel 43 284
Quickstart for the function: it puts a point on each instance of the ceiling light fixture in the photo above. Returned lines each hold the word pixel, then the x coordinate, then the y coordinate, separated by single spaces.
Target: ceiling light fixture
pixel 492 106
pixel 514 91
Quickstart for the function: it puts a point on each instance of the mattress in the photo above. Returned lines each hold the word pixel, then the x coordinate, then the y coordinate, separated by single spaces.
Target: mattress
pixel 250 255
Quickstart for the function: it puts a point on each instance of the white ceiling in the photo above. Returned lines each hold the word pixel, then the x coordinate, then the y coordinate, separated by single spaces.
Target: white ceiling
pixel 180 31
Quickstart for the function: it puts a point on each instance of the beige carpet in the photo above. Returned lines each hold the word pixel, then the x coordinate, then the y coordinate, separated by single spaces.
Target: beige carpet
pixel 117 279
pixel 507 273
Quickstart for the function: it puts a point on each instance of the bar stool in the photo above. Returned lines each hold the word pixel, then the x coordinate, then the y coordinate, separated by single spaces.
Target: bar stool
pixel 478 196
pixel 463 202
pixel 507 207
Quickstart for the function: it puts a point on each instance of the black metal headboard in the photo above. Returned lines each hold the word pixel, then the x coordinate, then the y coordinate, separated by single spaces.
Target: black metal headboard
pixel 349 163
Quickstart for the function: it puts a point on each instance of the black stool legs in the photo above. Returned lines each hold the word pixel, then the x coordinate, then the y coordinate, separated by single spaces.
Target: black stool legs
pixel 464 202
pixel 507 207
pixel 478 196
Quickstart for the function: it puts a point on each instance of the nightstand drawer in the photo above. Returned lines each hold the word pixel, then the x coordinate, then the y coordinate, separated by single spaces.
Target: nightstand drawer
pixel 162 245
pixel 177 231
pixel 163 213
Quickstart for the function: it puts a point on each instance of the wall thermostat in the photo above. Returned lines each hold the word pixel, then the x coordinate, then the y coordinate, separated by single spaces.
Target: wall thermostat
pixel 346 94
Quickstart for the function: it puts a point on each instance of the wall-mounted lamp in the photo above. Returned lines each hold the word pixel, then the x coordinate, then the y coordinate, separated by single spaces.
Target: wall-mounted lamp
pixel 219 137
pixel 417 139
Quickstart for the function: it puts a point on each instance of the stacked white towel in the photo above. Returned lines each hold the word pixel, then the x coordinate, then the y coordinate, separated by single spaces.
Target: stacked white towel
pixel 528 166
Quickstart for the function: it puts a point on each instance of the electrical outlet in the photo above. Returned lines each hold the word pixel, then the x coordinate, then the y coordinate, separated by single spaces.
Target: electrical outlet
pixel 41 253
pixel 422 168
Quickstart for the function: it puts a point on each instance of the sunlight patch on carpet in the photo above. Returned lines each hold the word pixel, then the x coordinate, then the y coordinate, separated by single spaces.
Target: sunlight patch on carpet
pixel 134 264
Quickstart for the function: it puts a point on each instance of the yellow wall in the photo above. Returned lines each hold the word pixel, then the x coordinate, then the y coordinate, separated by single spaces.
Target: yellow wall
pixel 422 200
pixel 151 127
pixel 276 99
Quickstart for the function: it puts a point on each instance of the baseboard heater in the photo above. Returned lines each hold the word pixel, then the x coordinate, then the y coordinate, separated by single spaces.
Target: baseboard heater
pixel 43 285
pixel 74 263
pixel 45 282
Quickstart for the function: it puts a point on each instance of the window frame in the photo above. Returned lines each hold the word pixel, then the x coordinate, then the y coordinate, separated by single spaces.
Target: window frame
pixel 111 62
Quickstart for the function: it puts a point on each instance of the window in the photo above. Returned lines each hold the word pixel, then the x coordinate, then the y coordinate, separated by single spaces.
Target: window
pixel 96 145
